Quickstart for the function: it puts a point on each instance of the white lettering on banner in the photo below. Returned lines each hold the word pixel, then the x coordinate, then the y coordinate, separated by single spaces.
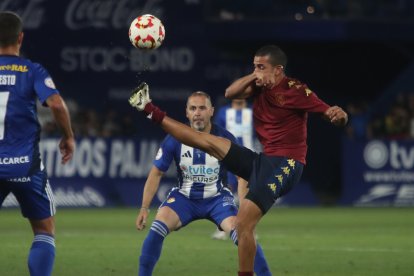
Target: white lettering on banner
pixel 49 152
pixel 122 159
pixel 88 160
pixel 388 194
pixel 405 195
pixel 100 158
pixel 118 59
pixel 389 176
pixel 377 154
pixel 10 201
pixel 85 157
pixel 378 191
pixel 87 197
pixel 31 12
pixel 400 157
pixel 107 13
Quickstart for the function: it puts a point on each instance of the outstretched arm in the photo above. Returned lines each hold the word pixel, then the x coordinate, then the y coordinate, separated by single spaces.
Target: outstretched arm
pixel 62 118
pixel 151 187
pixel 242 88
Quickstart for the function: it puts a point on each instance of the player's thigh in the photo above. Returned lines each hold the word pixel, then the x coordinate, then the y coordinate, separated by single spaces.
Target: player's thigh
pixel 239 160
pixel 228 224
pixel 222 210
pixel 271 178
pixel 177 205
pixel 249 215
pixel 34 195
pixel 169 217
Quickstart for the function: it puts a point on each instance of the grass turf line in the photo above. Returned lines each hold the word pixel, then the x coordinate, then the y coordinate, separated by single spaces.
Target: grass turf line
pixel 296 241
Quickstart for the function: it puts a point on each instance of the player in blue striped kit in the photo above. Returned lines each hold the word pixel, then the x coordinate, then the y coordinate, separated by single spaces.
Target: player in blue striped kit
pixel 201 193
pixel 22 173
pixel 237 118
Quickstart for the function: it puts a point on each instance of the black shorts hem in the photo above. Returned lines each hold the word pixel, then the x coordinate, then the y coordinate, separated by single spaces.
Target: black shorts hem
pixel 239 161
pixel 256 201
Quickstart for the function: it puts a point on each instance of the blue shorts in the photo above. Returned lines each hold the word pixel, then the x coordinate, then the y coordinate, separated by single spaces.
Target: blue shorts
pixel 269 177
pixel 33 193
pixel 215 209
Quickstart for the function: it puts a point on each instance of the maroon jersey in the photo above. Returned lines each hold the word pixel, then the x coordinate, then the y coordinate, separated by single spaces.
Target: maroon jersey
pixel 280 118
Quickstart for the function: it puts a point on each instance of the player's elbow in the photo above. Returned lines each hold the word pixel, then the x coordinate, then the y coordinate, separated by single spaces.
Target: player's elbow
pixel 55 103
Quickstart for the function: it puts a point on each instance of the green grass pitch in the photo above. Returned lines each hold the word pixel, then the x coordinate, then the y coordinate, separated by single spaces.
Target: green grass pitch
pixel 296 241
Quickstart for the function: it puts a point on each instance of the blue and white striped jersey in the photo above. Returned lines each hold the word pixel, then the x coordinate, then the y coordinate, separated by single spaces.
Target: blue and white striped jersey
pixel 21 84
pixel 239 123
pixel 200 175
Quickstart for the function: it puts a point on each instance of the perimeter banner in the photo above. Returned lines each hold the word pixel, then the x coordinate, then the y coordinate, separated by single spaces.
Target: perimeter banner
pixel 378 173
pixel 112 172
pixel 103 173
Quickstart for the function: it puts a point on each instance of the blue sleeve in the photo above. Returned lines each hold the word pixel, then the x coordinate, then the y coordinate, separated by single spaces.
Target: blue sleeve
pixel 165 153
pixel 222 132
pixel 220 118
pixel 43 83
pixel 231 137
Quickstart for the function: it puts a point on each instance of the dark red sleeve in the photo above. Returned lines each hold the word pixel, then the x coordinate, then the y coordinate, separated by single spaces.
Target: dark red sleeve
pixel 305 99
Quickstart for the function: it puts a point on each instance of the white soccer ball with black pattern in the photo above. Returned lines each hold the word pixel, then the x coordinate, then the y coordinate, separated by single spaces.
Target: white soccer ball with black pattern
pixel 146 32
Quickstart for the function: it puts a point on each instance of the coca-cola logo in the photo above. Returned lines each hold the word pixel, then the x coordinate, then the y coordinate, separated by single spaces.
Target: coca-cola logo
pixel 107 13
pixel 32 12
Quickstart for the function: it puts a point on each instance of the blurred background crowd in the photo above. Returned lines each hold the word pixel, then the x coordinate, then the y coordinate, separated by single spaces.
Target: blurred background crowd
pixel 396 121
pixel 305 9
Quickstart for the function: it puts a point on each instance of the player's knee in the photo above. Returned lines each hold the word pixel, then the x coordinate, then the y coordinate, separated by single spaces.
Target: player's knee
pixel 245 225
pixel 216 146
pixel 160 228
pixel 46 226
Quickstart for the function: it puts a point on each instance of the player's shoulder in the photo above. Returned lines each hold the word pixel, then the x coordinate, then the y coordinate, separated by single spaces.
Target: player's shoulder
pixel 33 66
pixel 170 142
pixel 224 107
pixel 39 67
pixel 296 86
pixel 221 112
pixel 26 61
pixel 218 130
pixel 222 132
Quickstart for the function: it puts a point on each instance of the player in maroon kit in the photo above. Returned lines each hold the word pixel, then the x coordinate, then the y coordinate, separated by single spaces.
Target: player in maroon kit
pixel 280 110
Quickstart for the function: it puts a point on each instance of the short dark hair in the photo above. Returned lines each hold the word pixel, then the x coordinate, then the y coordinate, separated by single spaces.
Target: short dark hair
pixel 200 94
pixel 276 55
pixel 10 27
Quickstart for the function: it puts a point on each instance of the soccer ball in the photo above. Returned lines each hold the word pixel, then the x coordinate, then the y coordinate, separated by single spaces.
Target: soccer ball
pixel 146 32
